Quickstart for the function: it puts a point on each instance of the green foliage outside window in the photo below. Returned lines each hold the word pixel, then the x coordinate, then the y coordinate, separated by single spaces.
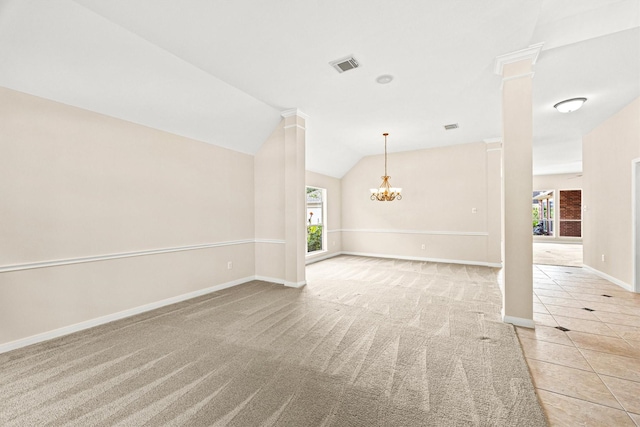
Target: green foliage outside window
pixel 536 218
pixel 314 238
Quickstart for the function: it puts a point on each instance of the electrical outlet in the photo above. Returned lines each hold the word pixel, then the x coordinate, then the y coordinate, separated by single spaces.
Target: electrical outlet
pixel 474 210
pixel 602 257
pixel 229 265
pixel 423 246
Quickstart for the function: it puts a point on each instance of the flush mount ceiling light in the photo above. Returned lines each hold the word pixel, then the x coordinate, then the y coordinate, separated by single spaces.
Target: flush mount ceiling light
pixel 384 79
pixel 569 105
pixel 386 193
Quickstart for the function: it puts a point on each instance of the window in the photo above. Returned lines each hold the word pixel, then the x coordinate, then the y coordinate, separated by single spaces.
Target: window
pixel 570 213
pixel 542 211
pixel 316 225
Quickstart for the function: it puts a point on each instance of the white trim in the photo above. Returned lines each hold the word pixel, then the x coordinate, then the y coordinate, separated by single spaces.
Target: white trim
pixel 276 241
pixel 295 284
pixel 530 52
pixel 270 279
pixel 312 259
pixel 635 239
pixel 334 231
pixel 68 261
pixel 66 330
pixel 295 126
pixel 519 321
pixel 612 279
pixel 518 76
pixel 294 112
pixel 492 140
pixel 412 258
pixel 281 281
pixel 431 232
pixel 494 149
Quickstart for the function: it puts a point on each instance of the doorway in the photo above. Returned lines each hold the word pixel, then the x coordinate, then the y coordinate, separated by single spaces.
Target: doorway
pixel 557 228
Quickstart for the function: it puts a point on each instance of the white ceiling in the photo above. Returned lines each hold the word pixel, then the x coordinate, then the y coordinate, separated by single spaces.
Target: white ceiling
pixel 222 71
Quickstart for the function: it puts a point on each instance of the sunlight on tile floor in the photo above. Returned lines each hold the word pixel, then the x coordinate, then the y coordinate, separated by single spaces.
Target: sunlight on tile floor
pixel 568 254
pixel 590 374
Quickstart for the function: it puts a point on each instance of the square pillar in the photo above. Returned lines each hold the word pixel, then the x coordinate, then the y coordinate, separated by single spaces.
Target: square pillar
pixel 517 177
pixel 295 198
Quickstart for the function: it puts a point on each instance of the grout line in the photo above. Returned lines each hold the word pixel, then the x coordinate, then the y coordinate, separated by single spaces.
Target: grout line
pixel 612 393
pixel 582 351
pixel 563 366
pixel 583 399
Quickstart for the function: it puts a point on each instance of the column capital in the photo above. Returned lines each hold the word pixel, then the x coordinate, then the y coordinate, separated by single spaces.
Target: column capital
pixel 294 112
pixel 492 140
pixel 530 53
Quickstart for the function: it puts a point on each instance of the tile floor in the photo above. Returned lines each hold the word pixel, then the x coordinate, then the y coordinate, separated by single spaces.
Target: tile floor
pixel 557 253
pixel 590 374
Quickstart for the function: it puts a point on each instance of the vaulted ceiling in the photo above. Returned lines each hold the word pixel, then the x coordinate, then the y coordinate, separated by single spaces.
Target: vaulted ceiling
pixel 221 71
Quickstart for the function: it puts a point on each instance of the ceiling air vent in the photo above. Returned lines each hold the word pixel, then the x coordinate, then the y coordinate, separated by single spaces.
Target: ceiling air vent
pixel 451 126
pixel 344 64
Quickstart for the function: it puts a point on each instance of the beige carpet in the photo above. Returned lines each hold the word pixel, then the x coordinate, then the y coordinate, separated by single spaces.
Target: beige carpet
pixel 368 342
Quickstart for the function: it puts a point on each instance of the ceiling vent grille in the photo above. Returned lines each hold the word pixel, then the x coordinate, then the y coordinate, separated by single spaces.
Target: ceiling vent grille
pixel 345 64
pixel 451 126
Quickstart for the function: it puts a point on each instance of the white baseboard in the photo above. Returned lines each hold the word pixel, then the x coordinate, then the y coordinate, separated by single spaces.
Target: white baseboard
pixel 519 321
pixel 411 258
pixel 269 279
pixel 66 330
pixel 45 336
pixel 625 286
pixel 312 259
pixel 295 284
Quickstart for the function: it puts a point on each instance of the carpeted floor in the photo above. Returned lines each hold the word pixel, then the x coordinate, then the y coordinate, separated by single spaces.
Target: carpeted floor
pixel 368 342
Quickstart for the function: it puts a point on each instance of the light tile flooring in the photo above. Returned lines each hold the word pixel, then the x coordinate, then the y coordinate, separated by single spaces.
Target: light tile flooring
pixel 590 374
pixel 556 253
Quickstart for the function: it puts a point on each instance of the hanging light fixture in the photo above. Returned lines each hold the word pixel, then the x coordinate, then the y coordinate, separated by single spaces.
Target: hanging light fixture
pixel 386 193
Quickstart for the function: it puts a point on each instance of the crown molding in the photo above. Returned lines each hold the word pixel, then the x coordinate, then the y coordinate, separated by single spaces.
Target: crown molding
pixel 294 112
pixel 492 140
pixel 530 52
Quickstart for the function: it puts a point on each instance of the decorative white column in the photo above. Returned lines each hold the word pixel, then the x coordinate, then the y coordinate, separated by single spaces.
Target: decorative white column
pixel 295 202
pixel 517 170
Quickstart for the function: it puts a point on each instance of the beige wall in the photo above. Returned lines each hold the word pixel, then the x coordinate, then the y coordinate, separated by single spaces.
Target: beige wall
pixel 564 181
pixel 77 184
pixel 607 224
pixel 440 188
pixel 334 213
pixel 269 167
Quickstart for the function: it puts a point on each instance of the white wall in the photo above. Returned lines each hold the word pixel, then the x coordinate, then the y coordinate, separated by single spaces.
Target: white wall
pixel 76 184
pixel 441 186
pixel 607 154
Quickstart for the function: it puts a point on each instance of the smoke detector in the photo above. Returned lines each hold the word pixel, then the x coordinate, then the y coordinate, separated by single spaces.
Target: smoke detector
pixel 451 126
pixel 344 64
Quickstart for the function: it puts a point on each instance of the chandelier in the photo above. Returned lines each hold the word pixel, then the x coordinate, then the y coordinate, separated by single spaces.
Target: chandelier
pixel 386 193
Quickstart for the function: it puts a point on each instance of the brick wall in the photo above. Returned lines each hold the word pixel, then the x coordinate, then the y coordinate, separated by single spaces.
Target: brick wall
pixel 570 209
pixel 571 228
